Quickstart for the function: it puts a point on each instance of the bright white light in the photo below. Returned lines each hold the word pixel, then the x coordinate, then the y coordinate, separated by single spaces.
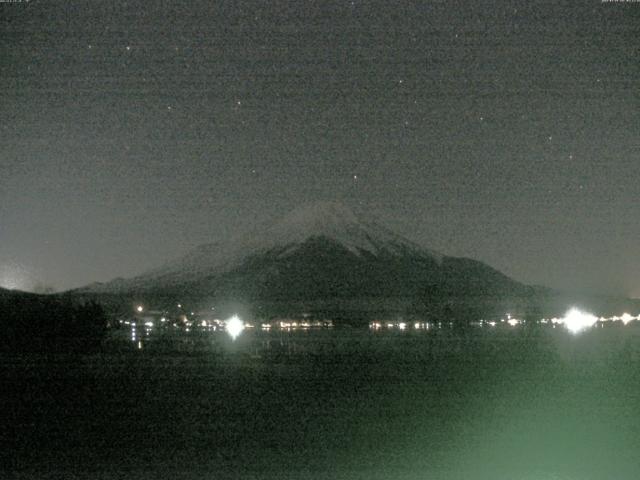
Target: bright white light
pixel 576 320
pixel 513 322
pixel 402 325
pixel 626 318
pixel 148 324
pixel 235 326
pixel 139 308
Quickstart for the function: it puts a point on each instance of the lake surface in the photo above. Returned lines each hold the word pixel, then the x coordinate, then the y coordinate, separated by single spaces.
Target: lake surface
pixel 340 403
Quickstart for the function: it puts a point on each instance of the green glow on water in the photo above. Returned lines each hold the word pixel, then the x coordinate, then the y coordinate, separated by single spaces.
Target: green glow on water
pixel 344 404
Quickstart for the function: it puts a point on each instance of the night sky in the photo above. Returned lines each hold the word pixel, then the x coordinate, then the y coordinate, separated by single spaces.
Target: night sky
pixel 503 131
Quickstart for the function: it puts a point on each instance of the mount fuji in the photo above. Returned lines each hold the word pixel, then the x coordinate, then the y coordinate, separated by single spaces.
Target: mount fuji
pixel 318 253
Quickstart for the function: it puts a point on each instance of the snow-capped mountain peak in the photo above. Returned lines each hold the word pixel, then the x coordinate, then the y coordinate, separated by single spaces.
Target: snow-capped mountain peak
pixel 335 221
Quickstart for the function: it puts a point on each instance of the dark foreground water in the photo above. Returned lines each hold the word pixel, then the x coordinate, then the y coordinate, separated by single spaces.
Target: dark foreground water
pixel 331 404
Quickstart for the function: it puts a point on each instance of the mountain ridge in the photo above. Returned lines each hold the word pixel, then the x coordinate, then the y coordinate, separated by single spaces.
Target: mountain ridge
pixel 318 252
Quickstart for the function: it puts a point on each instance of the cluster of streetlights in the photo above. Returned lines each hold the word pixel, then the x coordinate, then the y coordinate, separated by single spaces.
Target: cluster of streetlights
pixel 575 320
pixel 234 326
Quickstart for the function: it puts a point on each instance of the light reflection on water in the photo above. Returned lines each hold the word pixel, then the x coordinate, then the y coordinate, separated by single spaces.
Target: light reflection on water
pixel 490 403
pixel 316 338
pixel 144 327
pixel 506 402
pixel 314 401
pixel 144 330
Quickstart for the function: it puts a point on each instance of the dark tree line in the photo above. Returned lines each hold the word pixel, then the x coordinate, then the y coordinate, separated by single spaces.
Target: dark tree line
pixel 36 323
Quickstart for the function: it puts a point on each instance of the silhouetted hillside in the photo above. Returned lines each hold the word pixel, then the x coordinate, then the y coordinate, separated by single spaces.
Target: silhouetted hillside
pixel 44 323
